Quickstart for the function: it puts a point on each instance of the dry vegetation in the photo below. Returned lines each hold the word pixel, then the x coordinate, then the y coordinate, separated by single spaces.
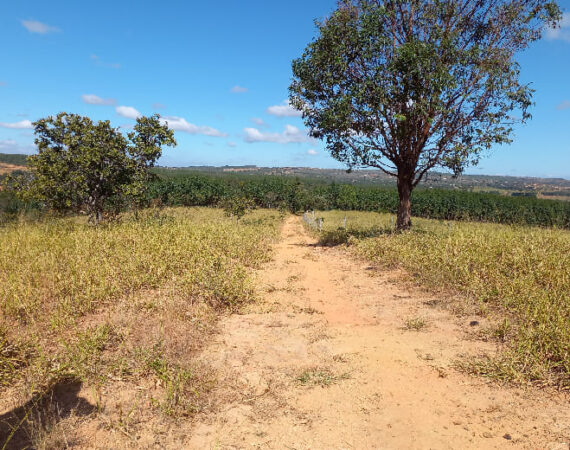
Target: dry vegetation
pixel 518 276
pixel 6 168
pixel 118 311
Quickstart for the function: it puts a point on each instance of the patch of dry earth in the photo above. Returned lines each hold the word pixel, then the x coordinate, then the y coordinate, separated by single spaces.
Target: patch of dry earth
pixel 323 312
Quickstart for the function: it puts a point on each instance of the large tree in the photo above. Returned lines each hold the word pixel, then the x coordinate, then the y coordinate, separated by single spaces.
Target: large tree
pixel 82 166
pixel 409 85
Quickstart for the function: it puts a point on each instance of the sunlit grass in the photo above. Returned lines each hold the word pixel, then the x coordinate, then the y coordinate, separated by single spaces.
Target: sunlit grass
pixel 58 275
pixel 72 268
pixel 520 275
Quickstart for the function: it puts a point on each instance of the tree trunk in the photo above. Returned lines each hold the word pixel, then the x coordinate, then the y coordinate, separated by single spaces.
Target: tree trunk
pixel 98 216
pixel 404 219
pixel 95 209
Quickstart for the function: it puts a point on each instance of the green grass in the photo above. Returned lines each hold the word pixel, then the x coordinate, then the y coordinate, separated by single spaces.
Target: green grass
pixel 320 377
pixel 415 324
pixel 92 304
pixel 518 275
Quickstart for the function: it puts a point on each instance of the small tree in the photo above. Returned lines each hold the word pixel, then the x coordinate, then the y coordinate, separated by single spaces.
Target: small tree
pixel 83 166
pixel 238 207
pixel 408 85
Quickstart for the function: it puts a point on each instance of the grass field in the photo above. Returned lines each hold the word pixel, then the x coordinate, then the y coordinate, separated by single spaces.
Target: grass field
pixel 519 276
pixel 132 300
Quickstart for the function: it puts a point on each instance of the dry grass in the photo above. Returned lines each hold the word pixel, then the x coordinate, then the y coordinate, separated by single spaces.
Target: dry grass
pixel 6 168
pixel 518 275
pixel 130 302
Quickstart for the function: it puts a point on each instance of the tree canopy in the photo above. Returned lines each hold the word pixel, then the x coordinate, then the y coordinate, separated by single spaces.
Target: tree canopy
pixel 409 85
pixel 82 166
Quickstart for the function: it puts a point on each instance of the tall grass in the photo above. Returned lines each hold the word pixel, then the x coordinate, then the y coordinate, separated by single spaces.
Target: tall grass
pixel 62 266
pixel 520 275
pixel 57 273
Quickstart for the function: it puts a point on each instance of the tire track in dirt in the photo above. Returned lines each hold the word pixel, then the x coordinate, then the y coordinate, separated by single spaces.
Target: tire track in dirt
pixel 323 361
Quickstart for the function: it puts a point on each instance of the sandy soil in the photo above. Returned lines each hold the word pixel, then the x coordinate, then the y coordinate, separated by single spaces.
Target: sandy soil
pixel 9 168
pixel 325 360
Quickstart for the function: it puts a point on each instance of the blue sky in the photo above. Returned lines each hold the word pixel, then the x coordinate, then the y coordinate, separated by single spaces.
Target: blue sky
pixel 219 71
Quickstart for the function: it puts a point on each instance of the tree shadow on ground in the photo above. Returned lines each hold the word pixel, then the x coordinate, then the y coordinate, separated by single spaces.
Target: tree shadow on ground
pixel 22 426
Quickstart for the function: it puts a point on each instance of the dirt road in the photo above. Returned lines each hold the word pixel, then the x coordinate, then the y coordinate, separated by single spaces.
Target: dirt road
pixel 331 358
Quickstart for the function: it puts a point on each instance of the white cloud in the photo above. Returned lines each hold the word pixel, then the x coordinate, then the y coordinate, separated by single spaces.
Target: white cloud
pixel 290 135
pixel 127 111
pixel 180 124
pixel 11 146
pixel 33 26
pixel 7 143
pixel 562 32
pixel 565 104
pixel 158 105
pixel 22 125
pixel 92 99
pixel 232 144
pixel 239 89
pixel 312 152
pixel 259 122
pixel 284 110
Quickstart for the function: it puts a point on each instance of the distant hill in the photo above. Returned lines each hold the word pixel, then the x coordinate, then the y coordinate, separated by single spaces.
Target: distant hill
pixel 16 159
pixel 553 188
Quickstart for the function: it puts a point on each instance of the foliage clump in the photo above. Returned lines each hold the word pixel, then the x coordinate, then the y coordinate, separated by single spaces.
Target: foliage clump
pixel 88 167
pixel 238 207
pixel 408 85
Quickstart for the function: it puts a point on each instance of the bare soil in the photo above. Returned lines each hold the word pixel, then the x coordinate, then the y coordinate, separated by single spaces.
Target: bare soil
pixel 331 358
pixel 336 354
pixel 6 168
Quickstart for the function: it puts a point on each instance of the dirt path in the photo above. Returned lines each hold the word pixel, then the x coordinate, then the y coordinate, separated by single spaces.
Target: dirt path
pixel 325 361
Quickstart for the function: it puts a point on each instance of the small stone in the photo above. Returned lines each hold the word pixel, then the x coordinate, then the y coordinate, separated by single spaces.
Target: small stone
pixel 474 323
pixel 507 436
pixel 487 435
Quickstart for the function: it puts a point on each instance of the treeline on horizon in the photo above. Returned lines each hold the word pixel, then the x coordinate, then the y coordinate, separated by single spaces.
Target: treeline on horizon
pixel 17 159
pixel 300 194
pixel 297 194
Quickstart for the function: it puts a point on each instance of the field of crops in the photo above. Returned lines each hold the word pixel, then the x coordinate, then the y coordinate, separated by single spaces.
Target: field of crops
pixel 296 195
pixel 518 276
pixel 301 195
pixel 128 300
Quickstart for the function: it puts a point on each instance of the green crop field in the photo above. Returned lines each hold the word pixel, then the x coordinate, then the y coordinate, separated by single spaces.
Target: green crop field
pixel 301 195
pixel 519 276
pixel 184 188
